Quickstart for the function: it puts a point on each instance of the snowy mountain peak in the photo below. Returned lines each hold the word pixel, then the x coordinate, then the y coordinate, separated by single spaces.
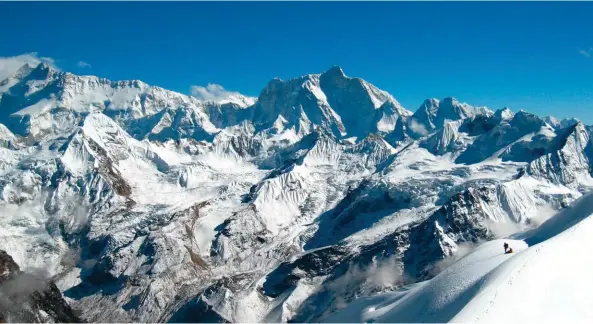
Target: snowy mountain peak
pixel 433 114
pixel 450 101
pixel 428 111
pixel 240 100
pixel 10 81
pixel 504 114
pixel 524 118
pixel 430 102
pixel 335 71
pixel 560 123
pixel 43 71
pixel 24 70
pixel 44 66
pixel 20 73
pixel 450 108
pixel 346 106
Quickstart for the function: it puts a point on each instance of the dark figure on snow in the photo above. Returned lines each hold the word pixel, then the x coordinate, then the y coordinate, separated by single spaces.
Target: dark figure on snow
pixel 506 246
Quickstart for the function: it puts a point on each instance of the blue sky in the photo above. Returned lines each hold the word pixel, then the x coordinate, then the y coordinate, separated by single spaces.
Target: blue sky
pixel 533 56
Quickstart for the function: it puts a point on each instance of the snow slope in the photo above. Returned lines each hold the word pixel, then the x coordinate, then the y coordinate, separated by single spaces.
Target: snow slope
pixel 545 282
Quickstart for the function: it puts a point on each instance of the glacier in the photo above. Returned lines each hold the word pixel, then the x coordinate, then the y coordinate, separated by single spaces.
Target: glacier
pixel 294 206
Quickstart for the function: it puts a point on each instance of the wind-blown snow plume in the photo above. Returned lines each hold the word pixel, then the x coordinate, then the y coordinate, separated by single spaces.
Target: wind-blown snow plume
pixel 83 64
pixel 211 92
pixel 417 128
pixel 378 274
pixel 462 250
pixel 217 93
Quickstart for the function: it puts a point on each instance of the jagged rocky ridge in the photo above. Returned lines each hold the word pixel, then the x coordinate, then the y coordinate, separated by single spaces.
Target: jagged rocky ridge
pixel 157 206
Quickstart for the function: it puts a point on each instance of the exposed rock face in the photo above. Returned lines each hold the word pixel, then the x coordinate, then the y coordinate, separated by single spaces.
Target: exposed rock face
pixel 25 298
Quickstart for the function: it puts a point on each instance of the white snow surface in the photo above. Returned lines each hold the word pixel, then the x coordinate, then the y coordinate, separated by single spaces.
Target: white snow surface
pixel 546 282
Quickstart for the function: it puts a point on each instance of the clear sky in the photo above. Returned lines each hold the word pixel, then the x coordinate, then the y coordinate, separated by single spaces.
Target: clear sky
pixel 533 56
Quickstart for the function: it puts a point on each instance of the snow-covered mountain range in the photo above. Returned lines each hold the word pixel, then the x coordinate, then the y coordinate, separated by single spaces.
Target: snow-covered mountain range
pixel 158 206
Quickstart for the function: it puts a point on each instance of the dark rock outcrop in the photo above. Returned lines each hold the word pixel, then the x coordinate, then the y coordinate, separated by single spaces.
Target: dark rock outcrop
pixel 27 299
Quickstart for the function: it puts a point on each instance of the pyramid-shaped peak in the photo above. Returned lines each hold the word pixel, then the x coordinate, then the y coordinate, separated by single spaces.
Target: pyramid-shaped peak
pixel 44 66
pixel 42 71
pixel 335 70
pixel 429 106
pixel 26 68
pixel 523 118
pixel 19 74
